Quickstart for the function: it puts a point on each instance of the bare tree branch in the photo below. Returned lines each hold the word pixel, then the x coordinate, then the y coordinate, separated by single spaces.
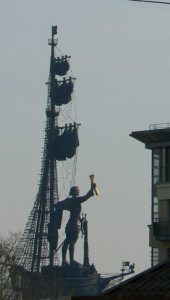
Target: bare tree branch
pixel 8 247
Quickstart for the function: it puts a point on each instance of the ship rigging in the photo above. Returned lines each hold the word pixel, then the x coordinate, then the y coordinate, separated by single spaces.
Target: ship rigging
pixel 60 146
pixel 39 273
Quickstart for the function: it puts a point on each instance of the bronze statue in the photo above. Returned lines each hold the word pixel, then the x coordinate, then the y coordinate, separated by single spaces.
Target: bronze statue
pixel 73 205
pixel 53 227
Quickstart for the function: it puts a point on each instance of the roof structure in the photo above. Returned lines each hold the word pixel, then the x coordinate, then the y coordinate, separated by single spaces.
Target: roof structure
pixel 153 283
pixel 153 138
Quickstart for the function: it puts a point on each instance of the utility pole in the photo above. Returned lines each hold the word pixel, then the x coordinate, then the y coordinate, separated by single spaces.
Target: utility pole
pixel 152 1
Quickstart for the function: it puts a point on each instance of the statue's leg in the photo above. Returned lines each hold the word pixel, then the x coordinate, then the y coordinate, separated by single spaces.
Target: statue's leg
pixel 64 251
pixel 71 252
pixel 72 246
pixel 73 240
pixel 52 238
pixel 55 240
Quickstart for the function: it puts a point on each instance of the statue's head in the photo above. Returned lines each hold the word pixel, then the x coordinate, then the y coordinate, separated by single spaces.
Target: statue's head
pixel 74 191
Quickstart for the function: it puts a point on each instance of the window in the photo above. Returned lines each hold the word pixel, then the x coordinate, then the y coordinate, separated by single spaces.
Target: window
pixel 167 164
pixel 160 173
pixel 157 165
pixel 155 256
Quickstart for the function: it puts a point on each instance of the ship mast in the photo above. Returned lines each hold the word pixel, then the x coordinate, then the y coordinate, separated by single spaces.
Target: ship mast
pixel 53 122
pixel 39 240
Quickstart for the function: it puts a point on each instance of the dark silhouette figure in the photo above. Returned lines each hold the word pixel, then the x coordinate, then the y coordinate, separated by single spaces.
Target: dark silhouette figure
pixel 73 205
pixel 53 227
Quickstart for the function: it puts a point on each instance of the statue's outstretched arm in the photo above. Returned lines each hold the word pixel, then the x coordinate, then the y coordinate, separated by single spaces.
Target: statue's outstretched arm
pixel 89 194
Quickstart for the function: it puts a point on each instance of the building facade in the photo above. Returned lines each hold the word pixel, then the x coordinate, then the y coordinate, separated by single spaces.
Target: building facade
pixel 157 139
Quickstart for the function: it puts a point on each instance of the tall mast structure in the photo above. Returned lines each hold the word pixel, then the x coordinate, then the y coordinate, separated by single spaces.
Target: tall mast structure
pixel 35 250
pixel 53 121
pixel 39 243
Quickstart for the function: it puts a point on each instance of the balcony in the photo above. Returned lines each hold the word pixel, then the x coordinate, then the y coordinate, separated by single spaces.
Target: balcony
pixel 159 126
pixel 161 231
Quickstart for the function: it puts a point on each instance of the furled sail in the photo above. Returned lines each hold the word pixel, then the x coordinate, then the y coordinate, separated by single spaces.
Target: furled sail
pixel 65 144
pixel 61 91
pixel 61 65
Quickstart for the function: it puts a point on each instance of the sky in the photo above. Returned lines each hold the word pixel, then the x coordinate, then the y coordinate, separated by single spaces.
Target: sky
pixel 120 56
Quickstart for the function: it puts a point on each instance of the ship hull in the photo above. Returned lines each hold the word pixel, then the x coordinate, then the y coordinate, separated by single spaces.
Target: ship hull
pixel 53 282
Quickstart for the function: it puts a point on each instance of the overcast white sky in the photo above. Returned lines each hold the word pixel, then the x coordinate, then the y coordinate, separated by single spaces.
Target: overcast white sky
pixel 121 58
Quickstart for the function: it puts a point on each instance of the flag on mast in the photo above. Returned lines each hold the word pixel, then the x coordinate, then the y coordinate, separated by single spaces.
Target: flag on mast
pixel 54 30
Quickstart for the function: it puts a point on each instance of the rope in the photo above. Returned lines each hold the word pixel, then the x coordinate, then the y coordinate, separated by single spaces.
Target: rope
pixel 59 247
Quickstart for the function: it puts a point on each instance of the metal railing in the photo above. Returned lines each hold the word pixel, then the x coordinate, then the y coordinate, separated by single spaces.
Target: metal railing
pixel 159 126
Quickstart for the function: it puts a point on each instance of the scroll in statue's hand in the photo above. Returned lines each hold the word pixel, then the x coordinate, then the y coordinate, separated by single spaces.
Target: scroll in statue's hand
pixel 93 186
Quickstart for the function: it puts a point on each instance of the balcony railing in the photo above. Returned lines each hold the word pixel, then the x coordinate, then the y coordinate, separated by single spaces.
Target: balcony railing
pixel 159 126
pixel 161 231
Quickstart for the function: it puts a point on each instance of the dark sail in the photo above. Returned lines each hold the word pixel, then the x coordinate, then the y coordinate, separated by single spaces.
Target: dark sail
pixel 61 65
pixel 61 91
pixel 65 144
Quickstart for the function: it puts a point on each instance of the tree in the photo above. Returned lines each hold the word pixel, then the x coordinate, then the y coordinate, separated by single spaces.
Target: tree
pixel 8 248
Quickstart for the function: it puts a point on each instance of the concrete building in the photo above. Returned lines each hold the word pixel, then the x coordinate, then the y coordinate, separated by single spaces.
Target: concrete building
pixel 157 139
